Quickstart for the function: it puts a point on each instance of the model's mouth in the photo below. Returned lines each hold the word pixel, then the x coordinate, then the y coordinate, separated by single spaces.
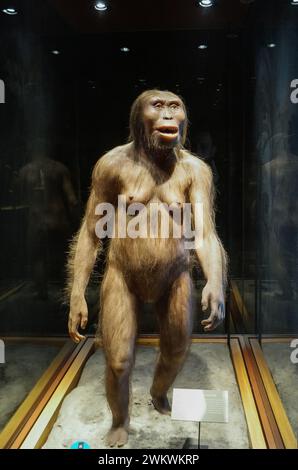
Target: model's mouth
pixel 168 130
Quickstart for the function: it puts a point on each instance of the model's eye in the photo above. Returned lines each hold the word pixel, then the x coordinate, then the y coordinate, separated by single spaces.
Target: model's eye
pixel 157 105
pixel 174 106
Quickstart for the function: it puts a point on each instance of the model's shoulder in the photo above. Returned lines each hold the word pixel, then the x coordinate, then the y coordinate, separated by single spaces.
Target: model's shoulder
pixel 112 160
pixel 195 164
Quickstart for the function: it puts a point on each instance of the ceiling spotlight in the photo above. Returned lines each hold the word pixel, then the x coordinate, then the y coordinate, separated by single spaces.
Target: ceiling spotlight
pixel 10 11
pixel 206 3
pixel 294 2
pixel 271 45
pixel 55 52
pixel 124 49
pixel 101 6
pixel 202 46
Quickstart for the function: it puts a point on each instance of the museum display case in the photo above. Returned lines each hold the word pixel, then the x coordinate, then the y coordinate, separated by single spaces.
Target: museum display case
pixel 68 77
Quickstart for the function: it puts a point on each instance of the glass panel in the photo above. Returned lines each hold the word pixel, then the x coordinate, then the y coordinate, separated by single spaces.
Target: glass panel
pixel 276 154
pixel 67 83
pixel 25 362
pixel 282 360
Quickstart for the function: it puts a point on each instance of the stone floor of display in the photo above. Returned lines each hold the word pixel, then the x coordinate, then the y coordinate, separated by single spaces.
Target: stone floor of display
pixel 24 365
pixel 285 376
pixel 84 414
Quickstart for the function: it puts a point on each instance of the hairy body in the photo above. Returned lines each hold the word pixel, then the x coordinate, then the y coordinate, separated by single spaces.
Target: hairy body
pixel 147 269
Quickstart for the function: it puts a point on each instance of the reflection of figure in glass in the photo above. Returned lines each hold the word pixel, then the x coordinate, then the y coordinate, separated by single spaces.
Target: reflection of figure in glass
pixel 47 189
pixel 280 183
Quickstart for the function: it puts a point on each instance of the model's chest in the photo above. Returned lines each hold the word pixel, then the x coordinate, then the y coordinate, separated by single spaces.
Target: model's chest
pixel 139 185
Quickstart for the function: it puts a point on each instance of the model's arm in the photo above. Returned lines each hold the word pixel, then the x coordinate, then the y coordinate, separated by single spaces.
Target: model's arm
pixel 82 256
pixel 210 253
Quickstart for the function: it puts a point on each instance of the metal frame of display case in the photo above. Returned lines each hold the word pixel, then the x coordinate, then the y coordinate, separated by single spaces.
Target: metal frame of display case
pixel 28 410
pixel 287 435
pixel 30 427
pixel 275 422
pixel 267 422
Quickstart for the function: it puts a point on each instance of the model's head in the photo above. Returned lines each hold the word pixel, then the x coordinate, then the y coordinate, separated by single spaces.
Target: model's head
pixel 158 120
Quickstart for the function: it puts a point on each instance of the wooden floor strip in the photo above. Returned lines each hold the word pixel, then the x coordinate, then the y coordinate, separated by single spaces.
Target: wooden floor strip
pixel 287 433
pixel 255 431
pixel 269 425
pixel 43 425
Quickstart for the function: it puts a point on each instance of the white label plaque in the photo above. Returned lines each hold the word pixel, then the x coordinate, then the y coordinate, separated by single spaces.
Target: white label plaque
pixel 210 406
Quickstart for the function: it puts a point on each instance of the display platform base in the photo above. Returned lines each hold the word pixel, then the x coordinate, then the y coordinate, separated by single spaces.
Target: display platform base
pixel 85 415
pixel 69 403
pixel 193 444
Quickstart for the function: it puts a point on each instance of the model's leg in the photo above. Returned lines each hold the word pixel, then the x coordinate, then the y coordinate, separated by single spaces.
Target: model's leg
pixel 118 324
pixel 175 318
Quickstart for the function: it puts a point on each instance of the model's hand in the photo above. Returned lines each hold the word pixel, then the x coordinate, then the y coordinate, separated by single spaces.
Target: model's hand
pixel 213 298
pixel 78 317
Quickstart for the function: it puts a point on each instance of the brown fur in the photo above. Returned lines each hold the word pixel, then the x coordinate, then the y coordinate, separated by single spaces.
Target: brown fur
pixel 146 270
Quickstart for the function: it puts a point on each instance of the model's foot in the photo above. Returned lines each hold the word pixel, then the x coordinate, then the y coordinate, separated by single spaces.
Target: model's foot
pixel 161 404
pixel 117 437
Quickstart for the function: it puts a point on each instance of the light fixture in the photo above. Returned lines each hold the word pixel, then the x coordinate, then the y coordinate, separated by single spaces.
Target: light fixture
pixel 294 2
pixel 202 46
pixel 271 45
pixel 10 11
pixel 124 49
pixel 206 3
pixel 55 52
pixel 101 6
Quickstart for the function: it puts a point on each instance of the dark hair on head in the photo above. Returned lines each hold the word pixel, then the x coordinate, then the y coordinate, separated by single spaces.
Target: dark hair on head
pixel 136 125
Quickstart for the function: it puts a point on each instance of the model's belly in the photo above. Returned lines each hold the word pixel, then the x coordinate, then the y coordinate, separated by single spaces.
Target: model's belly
pixel 147 236
pixel 149 265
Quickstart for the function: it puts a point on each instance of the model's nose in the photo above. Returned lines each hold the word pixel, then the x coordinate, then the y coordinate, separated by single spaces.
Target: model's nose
pixel 167 114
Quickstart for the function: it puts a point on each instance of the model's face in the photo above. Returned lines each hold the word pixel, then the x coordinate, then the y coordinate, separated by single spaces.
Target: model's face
pixel 164 120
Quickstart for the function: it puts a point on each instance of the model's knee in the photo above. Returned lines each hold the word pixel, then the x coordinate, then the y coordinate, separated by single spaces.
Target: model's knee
pixel 175 355
pixel 120 366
